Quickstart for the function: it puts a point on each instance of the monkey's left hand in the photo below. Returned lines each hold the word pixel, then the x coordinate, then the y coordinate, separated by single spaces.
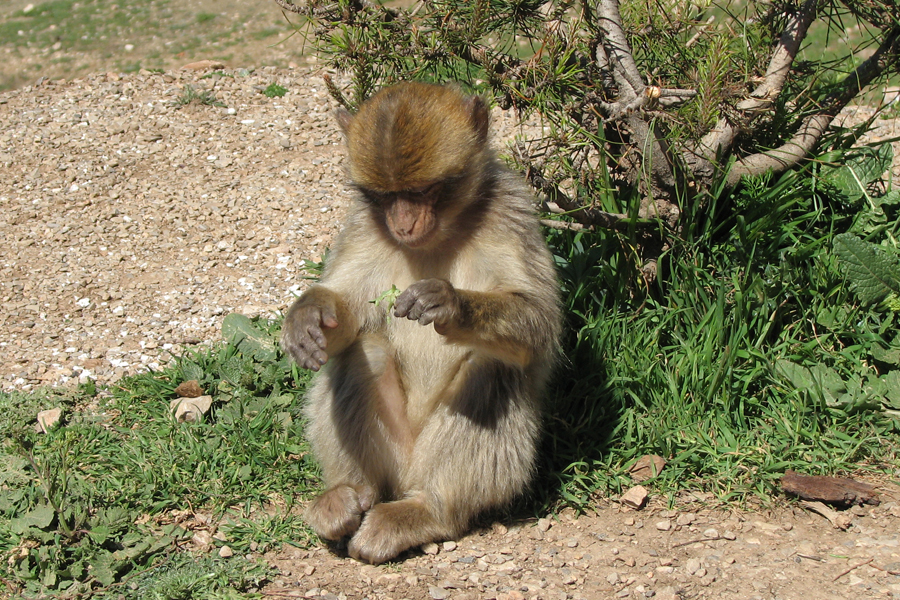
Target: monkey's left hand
pixel 430 301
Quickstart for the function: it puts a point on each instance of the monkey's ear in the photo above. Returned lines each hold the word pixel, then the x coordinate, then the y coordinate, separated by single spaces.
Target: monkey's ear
pixel 478 114
pixel 344 118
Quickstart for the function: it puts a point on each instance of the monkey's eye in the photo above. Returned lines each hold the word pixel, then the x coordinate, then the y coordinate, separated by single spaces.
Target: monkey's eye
pixel 373 197
pixel 424 191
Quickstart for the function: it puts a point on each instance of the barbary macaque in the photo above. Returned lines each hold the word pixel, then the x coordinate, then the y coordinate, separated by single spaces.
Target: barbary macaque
pixel 426 416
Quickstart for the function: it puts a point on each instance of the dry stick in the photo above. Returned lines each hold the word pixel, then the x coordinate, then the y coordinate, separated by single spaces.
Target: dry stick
pixel 712 539
pixel 888 571
pixel 842 573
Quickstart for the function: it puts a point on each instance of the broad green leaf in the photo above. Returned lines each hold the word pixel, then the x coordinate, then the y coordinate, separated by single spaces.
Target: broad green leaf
pixel 40 518
pixel 858 170
pixel 240 331
pixel 873 273
pixel 888 355
pixel 190 370
pixel 892 390
pixel 799 376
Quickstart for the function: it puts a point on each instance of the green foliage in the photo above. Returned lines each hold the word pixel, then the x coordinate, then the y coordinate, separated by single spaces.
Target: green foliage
pixel 746 357
pixel 273 90
pixel 386 300
pixel 185 578
pixel 97 499
pixel 874 274
pixel 189 96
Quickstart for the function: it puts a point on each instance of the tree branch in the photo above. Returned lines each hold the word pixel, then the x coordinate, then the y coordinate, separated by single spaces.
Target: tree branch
pixel 617 51
pixel 588 217
pixel 720 138
pixel 789 154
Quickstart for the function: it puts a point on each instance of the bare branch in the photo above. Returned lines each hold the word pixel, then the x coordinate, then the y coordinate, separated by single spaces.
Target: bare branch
pixel 720 138
pixel 651 97
pixel 565 225
pixel 782 58
pixel 589 217
pixel 291 7
pixel 789 154
pixel 617 51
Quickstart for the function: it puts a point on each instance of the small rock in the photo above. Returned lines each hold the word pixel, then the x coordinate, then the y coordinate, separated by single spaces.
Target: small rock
pixel 665 570
pixel 438 593
pixel 729 535
pixel 711 533
pixel 612 578
pixel 48 419
pixel 190 410
pixel 226 552
pixel 202 538
pixel 692 566
pixel 664 525
pixel 449 546
pixel 685 519
pixel 647 467
pixel 430 548
pixel 635 498
pixel 667 593
pixel 543 525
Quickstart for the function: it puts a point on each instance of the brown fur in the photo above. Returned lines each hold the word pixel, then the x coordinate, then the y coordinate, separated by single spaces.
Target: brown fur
pixel 422 420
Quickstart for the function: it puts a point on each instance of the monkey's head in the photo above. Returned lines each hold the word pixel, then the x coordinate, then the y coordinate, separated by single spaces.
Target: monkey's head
pixel 417 155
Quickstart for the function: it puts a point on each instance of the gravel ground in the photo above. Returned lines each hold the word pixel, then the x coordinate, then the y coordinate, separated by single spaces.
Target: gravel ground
pixel 131 226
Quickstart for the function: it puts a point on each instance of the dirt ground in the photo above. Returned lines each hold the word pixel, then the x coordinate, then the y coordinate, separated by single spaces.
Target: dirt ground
pixel 130 225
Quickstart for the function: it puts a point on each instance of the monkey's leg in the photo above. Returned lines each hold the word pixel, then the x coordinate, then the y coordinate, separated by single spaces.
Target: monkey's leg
pixel 359 434
pixel 476 451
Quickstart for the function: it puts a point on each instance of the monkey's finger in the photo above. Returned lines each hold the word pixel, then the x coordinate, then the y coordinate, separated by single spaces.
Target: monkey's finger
pixel 329 318
pixel 310 347
pixel 403 303
pixel 317 336
pixel 427 317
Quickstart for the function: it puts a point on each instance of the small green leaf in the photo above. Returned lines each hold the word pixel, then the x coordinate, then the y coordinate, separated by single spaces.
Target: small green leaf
pixel 891 390
pixel 386 299
pixel 887 355
pixel 859 169
pixel 190 370
pixel 799 376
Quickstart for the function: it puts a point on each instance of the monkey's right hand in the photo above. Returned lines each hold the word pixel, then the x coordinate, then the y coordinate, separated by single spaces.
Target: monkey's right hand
pixel 303 336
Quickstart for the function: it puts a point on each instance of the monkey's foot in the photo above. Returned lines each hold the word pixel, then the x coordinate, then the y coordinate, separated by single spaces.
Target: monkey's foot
pixel 338 512
pixel 392 527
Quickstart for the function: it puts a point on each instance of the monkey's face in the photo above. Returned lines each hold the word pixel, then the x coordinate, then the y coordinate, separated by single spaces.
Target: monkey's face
pixel 416 153
pixel 411 217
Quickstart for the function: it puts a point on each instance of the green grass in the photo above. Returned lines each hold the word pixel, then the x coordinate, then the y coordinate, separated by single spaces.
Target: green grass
pixel 688 369
pixel 112 491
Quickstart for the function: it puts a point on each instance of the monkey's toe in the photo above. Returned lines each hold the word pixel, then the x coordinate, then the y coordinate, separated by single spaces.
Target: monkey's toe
pixel 338 512
pixel 390 528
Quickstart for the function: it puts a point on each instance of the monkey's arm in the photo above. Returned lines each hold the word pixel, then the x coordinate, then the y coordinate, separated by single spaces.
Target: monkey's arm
pixel 317 326
pixel 508 325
